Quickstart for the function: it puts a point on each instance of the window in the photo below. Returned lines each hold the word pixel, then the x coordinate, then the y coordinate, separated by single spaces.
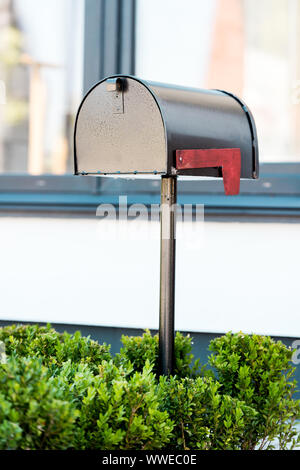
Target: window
pixel 41 69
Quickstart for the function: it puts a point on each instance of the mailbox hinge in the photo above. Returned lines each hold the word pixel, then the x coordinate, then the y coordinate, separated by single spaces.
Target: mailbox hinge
pixel 115 87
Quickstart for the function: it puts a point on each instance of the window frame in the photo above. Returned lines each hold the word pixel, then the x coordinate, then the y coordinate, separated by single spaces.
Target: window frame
pixel 109 48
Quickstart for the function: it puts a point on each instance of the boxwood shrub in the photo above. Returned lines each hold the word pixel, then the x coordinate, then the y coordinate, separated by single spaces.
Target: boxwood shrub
pixel 62 391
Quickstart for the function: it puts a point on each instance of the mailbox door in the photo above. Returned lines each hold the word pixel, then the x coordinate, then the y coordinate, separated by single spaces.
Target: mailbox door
pixel 120 130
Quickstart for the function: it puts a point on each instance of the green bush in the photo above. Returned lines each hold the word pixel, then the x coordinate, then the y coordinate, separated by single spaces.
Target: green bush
pixel 61 391
pixel 34 414
pixel 204 418
pixel 139 349
pixel 78 410
pixel 52 347
pixel 258 371
pixel 121 412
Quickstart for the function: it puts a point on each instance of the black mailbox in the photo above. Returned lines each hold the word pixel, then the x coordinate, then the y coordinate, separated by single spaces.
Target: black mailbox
pixel 128 126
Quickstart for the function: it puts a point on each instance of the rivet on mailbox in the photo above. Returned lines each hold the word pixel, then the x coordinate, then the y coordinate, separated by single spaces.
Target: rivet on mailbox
pixel 125 125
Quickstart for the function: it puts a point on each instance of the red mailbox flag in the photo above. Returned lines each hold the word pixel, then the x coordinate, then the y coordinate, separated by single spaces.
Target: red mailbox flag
pixel 228 159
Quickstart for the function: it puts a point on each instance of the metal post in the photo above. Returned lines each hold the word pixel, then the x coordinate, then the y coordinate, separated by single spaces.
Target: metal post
pixel 167 274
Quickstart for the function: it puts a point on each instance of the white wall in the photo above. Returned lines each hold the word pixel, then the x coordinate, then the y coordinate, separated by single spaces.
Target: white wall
pixel 238 276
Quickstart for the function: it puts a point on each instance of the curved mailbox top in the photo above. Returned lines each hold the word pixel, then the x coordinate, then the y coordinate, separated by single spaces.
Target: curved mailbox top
pixel 128 126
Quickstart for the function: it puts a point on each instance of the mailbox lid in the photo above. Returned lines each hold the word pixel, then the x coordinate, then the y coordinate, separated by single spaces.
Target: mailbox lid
pixel 120 131
pixel 207 119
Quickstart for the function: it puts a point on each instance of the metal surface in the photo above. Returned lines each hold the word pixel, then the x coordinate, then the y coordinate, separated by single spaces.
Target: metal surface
pixel 107 142
pixel 167 274
pixel 255 153
pixel 115 87
pixel 207 119
pixel 158 120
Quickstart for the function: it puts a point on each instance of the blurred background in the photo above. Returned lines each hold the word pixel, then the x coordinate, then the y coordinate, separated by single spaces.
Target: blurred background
pixel 55 264
pixel 41 64
pixel 248 47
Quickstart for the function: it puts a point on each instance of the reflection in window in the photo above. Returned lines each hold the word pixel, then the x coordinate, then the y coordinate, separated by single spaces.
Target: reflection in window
pixel 41 48
pixel 249 47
